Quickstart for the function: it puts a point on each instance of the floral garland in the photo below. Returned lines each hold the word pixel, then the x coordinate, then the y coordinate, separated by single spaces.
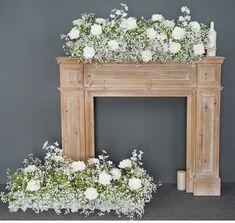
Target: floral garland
pixel 66 186
pixel 122 38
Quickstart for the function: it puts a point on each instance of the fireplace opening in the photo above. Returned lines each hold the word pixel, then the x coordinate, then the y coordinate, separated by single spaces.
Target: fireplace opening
pixel 155 125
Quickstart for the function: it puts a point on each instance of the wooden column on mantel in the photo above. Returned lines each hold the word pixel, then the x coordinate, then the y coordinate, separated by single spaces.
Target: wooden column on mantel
pixel 200 83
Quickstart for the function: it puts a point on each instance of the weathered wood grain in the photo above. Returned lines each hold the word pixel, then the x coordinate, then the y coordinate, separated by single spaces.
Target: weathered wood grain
pixel 200 83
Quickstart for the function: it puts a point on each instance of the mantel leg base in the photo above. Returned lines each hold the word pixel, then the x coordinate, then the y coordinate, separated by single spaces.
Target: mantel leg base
pixel 207 187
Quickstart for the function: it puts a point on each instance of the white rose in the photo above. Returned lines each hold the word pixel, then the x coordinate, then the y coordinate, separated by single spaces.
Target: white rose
pixel 30 168
pixel 100 21
pixel 134 183
pixel 94 161
pixel 195 26
pixel 146 55
pixel 91 193
pixel 33 185
pixel 178 33
pixel 157 17
pixel 198 49
pixel 113 45
pixel 104 178
pixel 96 30
pixel 74 33
pixel 151 33
pixel 58 158
pixel 88 52
pixel 116 173
pixel 125 163
pixel 78 166
pixel 129 23
pixel 174 47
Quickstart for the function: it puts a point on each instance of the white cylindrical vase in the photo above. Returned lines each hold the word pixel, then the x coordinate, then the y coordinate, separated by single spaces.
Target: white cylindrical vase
pixel 181 180
pixel 211 51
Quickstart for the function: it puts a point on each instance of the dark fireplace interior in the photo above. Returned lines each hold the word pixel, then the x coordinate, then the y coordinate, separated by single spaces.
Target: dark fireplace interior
pixel 155 125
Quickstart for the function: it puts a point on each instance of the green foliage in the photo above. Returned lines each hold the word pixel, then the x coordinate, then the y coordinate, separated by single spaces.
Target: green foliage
pixel 62 184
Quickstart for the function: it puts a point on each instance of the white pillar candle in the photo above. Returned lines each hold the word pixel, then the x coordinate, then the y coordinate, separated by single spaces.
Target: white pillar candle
pixel 181 179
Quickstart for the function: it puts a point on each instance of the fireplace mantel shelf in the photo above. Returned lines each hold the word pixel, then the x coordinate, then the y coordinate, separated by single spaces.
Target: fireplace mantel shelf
pixel 199 82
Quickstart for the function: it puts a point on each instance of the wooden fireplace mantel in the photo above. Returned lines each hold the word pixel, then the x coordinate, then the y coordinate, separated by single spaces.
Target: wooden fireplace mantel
pixel 200 83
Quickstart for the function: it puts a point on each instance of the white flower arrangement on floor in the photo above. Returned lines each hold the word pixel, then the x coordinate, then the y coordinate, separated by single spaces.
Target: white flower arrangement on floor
pixel 122 38
pixel 66 186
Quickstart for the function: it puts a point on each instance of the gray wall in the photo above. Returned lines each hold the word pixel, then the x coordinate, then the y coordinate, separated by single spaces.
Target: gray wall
pixel 29 77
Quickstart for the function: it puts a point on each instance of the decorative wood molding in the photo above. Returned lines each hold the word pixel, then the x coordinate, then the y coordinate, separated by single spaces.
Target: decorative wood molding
pixel 200 83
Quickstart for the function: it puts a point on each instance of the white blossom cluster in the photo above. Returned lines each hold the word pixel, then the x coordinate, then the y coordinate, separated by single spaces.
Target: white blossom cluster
pixel 67 186
pixel 123 38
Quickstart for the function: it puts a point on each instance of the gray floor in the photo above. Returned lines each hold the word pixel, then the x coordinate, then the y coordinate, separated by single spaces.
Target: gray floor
pixel 168 204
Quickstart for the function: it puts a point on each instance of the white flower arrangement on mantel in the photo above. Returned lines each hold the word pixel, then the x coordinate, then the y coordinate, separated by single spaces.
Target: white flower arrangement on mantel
pixel 67 186
pixel 121 38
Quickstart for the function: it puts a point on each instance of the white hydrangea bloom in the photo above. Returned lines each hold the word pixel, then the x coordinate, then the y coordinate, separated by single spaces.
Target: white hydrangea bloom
pixel 96 30
pixel 134 183
pixel 126 163
pixel 116 173
pixel 33 185
pixel 113 45
pixel 30 168
pixel 104 178
pixel 178 33
pixel 88 52
pixel 74 33
pixel 174 47
pixel 77 166
pixel 157 17
pixel 195 26
pixel 198 49
pixel 91 193
pixel 151 33
pixel 146 55
pixel 129 23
